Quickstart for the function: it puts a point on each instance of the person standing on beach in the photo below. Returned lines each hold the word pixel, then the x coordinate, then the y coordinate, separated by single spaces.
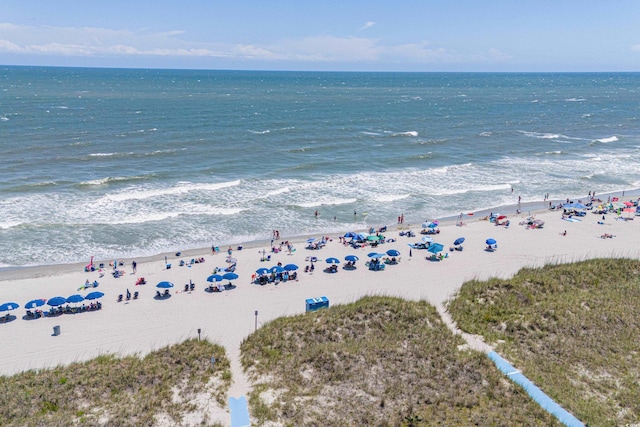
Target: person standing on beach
pixel 134 266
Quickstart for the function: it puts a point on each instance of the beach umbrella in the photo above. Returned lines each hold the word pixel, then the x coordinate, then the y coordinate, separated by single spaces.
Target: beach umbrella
pixel 75 298
pixel 55 301
pixel 229 276
pixel 434 224
pixel 351 258
pixel 491 241
pixel 311 240
pixel 276 269
pixel 434 248
pixel 459 241
pixel 9 306
pixel 350 235
pixel 393 252
pixel 164 285
pixel 94 295
pixel 332 261
pixel 290 267
pixel 373 238
pixel 427 239
pixel 260 271
pixel 375 255
pixel 214 278
pixel 34 303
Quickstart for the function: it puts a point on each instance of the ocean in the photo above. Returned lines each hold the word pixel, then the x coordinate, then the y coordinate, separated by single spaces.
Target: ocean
pixel 117 163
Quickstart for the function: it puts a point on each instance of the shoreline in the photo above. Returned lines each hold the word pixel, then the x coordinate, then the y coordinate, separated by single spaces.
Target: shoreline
pixel 527 209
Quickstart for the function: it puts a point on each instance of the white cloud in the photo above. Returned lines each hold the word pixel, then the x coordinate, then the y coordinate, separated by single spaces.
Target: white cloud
pixel 368 24
pixel 104 42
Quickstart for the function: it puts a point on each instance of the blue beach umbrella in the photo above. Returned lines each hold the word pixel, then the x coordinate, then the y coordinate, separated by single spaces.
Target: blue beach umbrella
pixel 214 278
pixel 164 285
pixel 75 298
pixel 260 271
pixel 332 261
pixel 375 255
pixel 311 240
pixel 276 269
pixel 55 301
pixel 351 258
pixel 34 303
pixel 350 234
pixel 229 276
pixel 290 267
pixel 7 306
pixel 491 241
pixel 94 295
pixel 393 252
pixel 434 248
pixel 459 241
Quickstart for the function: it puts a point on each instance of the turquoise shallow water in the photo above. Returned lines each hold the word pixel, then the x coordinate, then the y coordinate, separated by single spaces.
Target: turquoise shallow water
pixel 119 163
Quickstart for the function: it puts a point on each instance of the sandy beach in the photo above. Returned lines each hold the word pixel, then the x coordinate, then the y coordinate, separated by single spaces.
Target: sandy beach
pixel 145 324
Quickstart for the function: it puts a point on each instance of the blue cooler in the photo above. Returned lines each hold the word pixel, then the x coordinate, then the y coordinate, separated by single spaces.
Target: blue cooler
pixel 314 304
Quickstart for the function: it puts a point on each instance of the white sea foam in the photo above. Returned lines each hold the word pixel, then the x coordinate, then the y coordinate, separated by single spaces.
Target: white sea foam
pixel 327 201
pixel 408 133
pixel 260 132
pixel 181 188
pixel 10 224
pixel 385 198
pixel 607 140
pixel 575 100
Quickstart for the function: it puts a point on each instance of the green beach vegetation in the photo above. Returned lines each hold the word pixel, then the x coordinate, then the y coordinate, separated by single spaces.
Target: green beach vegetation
pixel 108 390
pixel 570 328
pixel 377 361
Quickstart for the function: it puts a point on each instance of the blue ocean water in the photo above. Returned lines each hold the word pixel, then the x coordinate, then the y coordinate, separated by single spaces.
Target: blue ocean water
pixel 123 163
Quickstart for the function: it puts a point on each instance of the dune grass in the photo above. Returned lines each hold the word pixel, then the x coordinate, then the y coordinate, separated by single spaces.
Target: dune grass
pixel 379 361
pixel 573 329
pixel 116 391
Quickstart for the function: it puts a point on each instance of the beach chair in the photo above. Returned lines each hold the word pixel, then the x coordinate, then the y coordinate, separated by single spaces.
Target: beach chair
pixel 120 298
pixel 135 295
pixel 192 286
pixel 186 287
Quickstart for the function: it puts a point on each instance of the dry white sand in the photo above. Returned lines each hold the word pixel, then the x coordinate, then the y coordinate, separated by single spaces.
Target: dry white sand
pixel 145 324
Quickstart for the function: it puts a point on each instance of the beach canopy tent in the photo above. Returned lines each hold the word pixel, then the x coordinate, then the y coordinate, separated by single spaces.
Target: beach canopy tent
pixel 459 241
pixel 491 241
pixel 290 267
pixel 164 285
pixel 35 303
pixel 230 276
pixel 7 306
pixel 56 301
pixel 94 295
pixel 260 271
pixel 393 252
pixel 332 261
pixel 434 248
pixel 75 298
pixel 351 258
pixel 427 239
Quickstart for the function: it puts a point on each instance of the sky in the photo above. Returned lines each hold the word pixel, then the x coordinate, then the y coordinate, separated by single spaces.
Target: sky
pixel 328 35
